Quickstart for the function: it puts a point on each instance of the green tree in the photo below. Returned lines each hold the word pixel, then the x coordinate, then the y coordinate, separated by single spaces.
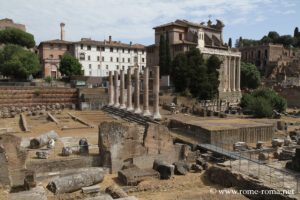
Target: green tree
pixel 250 76
pixel 18 37
pixel 191 73
pixel 69 65
pixel 162 55
pixel 168 55
pixel 296 32
pixel 262 102
pixel 230 42
pixel 18 62
pixel 273 35
pixel 286 40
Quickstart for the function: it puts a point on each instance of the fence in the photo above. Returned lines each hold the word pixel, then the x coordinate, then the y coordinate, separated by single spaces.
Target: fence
pixel 270 171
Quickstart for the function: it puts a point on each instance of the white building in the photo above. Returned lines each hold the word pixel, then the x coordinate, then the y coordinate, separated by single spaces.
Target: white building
pixel 100 57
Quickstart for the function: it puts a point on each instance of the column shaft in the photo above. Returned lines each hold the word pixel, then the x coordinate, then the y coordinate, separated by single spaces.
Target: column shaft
pixel 137 91
pixel 122 90
pixel 146 111
pixel 117 104
pixel 156 114
pixel 111 89
pixel 234 75
pixel 129 91
pixel 238 87
pixel 229 74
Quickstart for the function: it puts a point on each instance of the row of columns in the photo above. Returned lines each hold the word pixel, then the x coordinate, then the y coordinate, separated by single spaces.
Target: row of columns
pixel 232 70
pixel 114 90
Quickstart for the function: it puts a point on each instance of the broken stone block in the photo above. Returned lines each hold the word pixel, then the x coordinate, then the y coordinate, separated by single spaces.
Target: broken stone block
pixel 287 141
pixel 260 145
pixel 276 142
pixel 196 167
pixel 66 151
pixel 133 176
pixel 116 192
pixel 90 189
pixel 165 170
pixel 43 139
pixel 42 154
pixel 202 163
pixel 263 156
pixel 181 168
pixel 51 144
pixel 84 146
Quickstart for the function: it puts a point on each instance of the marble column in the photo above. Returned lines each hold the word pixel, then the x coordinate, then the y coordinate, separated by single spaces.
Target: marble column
pixel 117 104
pixel 229 74
pixel 122 90
pixel 137 108
pixel 225 63
pixel 234 75
pixel 238 87
pixel 129 90
pixel 111 89
pixel 146 111
pixel 156 114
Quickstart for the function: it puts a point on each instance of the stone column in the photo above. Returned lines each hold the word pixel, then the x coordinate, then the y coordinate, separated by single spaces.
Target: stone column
pixel 146 111
pixel 122 90
pixel 229 74
pixel 225 63
pixel 117 104
pixel 233 73
pixel 129 93
pixel 111 89
pixel 137 109
pixel 156 114
pixel 238 87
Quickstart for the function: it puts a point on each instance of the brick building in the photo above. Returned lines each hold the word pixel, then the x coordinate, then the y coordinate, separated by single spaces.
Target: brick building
pixel 209 40
pixel 9 23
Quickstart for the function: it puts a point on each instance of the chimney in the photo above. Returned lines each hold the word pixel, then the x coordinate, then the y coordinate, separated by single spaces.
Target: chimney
pixel 109 39
pixel 62 31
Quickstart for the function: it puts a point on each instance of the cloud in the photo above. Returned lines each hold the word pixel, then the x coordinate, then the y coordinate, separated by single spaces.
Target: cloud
pixel 125 20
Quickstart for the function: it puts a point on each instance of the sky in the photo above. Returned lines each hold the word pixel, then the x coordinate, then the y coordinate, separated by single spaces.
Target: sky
pixel 133 20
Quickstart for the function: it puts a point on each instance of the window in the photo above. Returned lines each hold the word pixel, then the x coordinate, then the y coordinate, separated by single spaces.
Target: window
pixel 117 49
pixel 98 48
pixel 123 59
pixel 143 51
pixel 88 47
pixel 102 49
pixel 51 46
pixel 117 67
pixel 111 49
pixel 51 56
pixel 82 56
pixel 123 67
pixel 81 46
pixel 135 51
pixel 180 36
pixel 90 73
pixel 129 60
pixel 117 59
pixel 143 59
pixel 89 57
pixel 143 67
pixel 90 66
pixel 60 56
pixel 68 47
pixel 128 50
pixel 98 58
pixel 123 50
pixel 98 66
pixel 135 59
pixel 102 58
pixel 111 59
pixel 59 46
pixel 106 66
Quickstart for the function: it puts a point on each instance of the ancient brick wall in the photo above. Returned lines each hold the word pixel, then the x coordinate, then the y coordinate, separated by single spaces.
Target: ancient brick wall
pixel 32 96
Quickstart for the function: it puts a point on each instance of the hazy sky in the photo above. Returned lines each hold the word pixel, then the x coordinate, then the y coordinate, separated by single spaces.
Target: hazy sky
pixel 133 20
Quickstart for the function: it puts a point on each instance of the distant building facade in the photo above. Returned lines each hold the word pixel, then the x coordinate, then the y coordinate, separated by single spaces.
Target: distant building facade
pixel 183 35
pixel 100 57
pixel 272 59
pixel 9 23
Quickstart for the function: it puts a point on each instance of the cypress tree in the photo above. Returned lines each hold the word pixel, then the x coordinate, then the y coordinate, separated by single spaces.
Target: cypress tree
pixel 296 32
pixel 168 55
pixel 230 43
pixel 162 55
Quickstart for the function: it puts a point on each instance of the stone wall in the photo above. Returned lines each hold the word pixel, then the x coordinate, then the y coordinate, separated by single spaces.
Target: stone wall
pixel 32 96
pixel 122 143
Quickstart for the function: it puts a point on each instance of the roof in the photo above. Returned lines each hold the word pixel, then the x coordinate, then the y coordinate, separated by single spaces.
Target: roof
pixel 56 41
pixel 169 24
pixel 185 42
pixel 110 44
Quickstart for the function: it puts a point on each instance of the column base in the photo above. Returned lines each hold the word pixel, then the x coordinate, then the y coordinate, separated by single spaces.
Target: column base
pixel 146 113
pixel 122 106
pixel 129 108
pixel 111 104
pixel 137 111
pixel 117 105
pixel 157 116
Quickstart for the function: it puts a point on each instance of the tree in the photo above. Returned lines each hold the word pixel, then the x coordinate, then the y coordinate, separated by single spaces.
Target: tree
pixel 262 102
pixel 230 42
pixel 18 37
pixel 273 35
pixel 250 76
pixel 168 55
pixel 18 62
pixel 70 66
pixel 296 32
pixel 286 40
pixel 162 55
pixel 191 73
